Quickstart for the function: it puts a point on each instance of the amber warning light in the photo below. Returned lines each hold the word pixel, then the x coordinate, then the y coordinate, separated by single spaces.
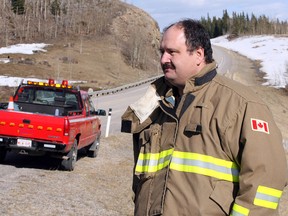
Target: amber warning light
pixel 52 83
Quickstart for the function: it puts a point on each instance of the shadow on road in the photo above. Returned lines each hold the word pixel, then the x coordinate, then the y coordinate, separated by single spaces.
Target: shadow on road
pixel 37 162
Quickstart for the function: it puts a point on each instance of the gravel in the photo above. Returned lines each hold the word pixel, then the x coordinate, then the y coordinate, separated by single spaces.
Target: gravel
pixel 97 186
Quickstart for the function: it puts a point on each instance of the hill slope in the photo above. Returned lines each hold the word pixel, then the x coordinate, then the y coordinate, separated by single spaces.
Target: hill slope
pixel 127 51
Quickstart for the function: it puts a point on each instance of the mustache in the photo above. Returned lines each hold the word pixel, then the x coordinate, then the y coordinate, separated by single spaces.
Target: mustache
pixel 167 65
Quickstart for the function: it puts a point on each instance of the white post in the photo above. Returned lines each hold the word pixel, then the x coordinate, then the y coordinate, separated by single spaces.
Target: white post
pixel 108 122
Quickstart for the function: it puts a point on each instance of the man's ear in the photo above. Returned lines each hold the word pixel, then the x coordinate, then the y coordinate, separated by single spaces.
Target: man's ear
pixel 200 55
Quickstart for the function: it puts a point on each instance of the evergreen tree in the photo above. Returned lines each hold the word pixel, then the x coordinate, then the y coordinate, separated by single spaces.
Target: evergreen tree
pixel 225 22
pixel 242 24
pixel 18 6
pixel 55 8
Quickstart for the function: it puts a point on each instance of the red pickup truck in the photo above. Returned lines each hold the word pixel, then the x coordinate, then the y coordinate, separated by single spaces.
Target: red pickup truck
pixel 50 118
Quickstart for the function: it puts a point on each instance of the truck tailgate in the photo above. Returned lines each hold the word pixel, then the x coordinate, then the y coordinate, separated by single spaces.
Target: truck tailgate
pixel 31 125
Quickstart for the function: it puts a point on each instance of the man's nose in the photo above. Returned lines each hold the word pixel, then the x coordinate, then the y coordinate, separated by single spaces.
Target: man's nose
pixel 165 58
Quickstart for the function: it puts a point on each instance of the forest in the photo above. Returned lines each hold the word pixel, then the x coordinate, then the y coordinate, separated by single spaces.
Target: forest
pixel 42 20
pixel 242 24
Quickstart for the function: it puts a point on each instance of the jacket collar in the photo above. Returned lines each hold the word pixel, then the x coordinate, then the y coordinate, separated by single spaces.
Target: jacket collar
pixel 200 79
pixel 167 92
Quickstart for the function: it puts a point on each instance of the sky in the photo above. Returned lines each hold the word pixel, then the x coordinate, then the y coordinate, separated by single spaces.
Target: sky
pixel 271 51
pixel 166 12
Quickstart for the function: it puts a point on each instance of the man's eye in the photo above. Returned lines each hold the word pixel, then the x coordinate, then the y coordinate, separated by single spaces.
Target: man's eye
pixel 171 52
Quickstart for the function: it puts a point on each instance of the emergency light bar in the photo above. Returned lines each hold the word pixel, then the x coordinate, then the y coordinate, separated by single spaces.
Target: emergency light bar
pixel 51 83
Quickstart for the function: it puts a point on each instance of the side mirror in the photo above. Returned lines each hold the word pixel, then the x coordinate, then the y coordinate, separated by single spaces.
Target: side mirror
pixel 100 112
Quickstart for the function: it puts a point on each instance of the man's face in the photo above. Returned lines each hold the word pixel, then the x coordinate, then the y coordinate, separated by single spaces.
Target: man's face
pixel 178 64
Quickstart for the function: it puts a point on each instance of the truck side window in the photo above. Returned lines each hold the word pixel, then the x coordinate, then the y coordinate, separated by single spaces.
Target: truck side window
pixel 91 105
pixel 87 107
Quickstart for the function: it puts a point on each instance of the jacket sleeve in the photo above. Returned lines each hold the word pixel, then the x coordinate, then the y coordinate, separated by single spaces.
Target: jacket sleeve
pixel 136 118
pixel 256 144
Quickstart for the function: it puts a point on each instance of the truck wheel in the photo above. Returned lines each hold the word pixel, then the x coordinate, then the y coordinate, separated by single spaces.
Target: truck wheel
pixel 94 148
pixel 3 152
pixel 69 164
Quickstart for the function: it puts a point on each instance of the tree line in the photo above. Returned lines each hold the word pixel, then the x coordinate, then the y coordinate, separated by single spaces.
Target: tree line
pixel 32 20
pixel 243 24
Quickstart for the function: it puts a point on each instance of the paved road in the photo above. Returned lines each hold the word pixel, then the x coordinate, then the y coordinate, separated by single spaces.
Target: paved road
pixel 118 102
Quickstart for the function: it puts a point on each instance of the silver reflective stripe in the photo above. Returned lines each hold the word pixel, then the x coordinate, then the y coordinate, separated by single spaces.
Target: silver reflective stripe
pixel 205 165
pixel 267 197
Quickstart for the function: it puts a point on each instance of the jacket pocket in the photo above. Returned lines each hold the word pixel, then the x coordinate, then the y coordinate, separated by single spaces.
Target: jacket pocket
pixel 224 194
pixel 142 196
pixel 150 139
pixel 149 143
pixel 192 129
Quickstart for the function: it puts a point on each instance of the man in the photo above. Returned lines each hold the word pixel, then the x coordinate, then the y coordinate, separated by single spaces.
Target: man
pixel 203 144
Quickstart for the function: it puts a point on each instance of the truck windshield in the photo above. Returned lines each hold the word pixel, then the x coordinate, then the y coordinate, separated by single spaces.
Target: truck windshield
pixel 46 96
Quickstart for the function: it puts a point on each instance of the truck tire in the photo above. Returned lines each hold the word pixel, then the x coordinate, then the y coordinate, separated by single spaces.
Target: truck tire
pixel 3 152
pixel 69 164
pixel 94 148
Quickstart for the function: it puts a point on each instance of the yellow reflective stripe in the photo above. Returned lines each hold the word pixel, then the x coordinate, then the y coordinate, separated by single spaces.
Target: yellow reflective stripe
pixel 269 191
pixel 188 162
pixel 205 165
pixel 238 210
pixel 153 162
pixel 267 197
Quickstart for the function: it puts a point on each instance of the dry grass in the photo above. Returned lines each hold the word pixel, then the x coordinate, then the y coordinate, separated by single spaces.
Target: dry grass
pixel 98 62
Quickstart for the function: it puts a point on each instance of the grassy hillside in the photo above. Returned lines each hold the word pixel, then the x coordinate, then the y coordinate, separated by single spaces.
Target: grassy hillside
pixel 126 51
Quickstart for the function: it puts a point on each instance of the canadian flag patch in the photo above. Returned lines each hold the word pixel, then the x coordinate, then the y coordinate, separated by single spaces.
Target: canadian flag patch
pixel 259 125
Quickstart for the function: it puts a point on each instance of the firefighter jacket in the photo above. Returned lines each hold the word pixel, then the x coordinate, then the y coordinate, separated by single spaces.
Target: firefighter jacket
pixel 217 151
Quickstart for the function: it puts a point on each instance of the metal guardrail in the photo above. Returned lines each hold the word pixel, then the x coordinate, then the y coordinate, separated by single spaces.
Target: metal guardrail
pixel 121 88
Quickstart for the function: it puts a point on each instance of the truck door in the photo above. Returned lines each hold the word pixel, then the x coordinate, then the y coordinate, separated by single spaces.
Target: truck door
pixel 91 124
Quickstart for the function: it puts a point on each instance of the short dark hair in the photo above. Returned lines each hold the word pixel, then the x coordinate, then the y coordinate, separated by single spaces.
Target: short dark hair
pixel 196 36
